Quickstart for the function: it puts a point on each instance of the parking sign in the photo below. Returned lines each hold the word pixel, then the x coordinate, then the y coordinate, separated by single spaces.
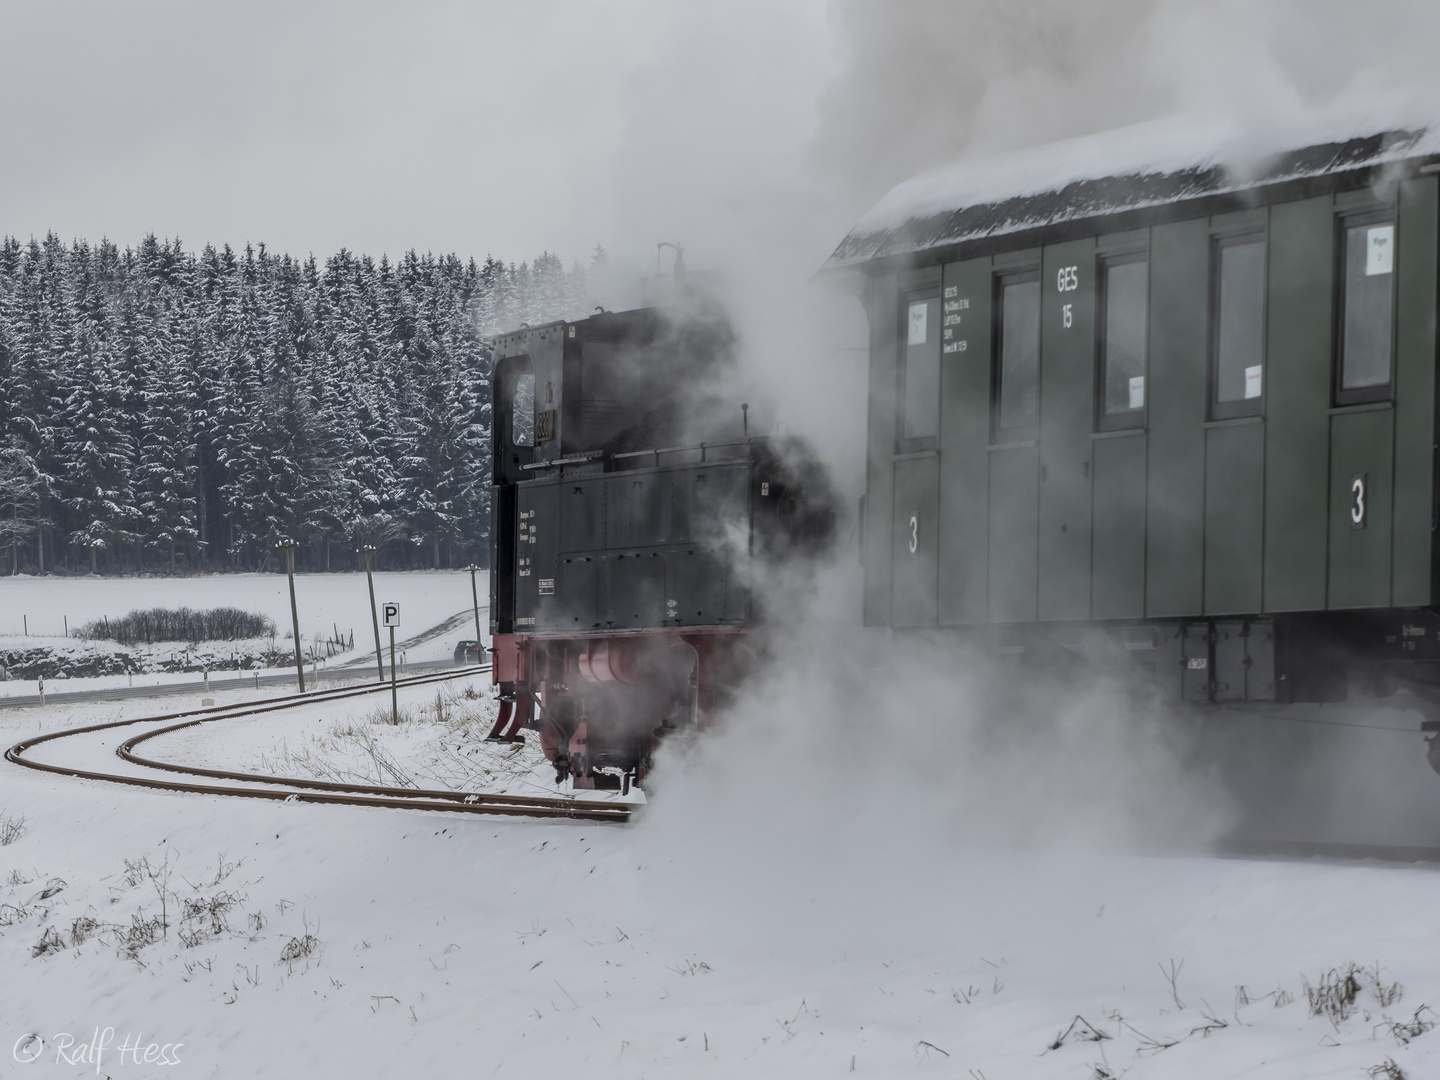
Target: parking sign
pixel 391 613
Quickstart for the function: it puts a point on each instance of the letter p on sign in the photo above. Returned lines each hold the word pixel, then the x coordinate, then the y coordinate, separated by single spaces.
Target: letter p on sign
pixel 391 613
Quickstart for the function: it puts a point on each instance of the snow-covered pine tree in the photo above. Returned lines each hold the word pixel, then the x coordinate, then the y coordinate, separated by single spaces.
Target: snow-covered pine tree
pixel 165 466
pixel 96 452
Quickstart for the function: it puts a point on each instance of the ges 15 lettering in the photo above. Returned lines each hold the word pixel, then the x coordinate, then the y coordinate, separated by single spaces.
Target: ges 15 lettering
pixel 1067 279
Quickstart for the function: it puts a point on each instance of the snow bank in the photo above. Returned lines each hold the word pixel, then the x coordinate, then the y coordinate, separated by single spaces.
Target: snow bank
pixel 69 658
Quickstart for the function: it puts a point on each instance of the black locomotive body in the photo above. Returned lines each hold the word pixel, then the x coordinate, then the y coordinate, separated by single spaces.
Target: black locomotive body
pixel 631 518
pixel 1178 419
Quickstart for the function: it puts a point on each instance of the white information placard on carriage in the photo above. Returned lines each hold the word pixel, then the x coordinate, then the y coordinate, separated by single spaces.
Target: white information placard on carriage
pixel 1379 250
pixel 390 613
pixel 918 324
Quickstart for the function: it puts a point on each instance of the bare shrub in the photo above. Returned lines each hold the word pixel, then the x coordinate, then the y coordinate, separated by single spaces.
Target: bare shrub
pixel 1080 1029
pixel 10 914
pixel 1333 997
pixel 381 715
pixel 1386 1070
pixel 11 829
pixel 50 941
pixel 300 948
pixel 1336 995
pixel 129 940
pixel 1212 1024
pixel 689 967
pixel 1405 1030
pixel 1386 994
pixel 1172 976
pixel 179 624
pixel 82 929
pixel 208 912
pixel 135 871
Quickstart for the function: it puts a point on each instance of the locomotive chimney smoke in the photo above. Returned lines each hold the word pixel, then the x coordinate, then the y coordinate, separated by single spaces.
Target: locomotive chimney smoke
pixel 927 83
pixel 898 741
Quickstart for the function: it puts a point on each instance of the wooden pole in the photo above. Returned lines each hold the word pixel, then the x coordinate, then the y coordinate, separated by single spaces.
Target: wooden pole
pixel 294 612
pixel 374 618
pixel 475 597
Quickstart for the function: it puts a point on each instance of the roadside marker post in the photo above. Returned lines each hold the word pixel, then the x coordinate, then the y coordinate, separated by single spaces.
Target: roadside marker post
pixel 391 611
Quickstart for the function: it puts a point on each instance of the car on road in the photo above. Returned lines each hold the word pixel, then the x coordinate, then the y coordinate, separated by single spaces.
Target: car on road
pixel 467 651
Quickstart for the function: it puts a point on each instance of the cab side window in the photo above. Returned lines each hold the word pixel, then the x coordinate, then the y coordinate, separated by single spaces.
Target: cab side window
pixel 1367 309
pixel 919 389
pixel 1016 383
pixel 1237 329
pixel 522 411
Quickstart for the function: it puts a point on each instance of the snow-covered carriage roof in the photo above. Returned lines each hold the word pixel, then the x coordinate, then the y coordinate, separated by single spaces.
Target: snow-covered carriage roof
pixel 1144 166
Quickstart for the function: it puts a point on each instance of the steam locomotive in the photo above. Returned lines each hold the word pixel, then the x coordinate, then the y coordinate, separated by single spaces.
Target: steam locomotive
pixel 635 526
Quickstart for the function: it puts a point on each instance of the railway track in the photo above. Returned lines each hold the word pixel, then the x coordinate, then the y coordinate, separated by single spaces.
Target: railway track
pixel 290 789
pixel 194 780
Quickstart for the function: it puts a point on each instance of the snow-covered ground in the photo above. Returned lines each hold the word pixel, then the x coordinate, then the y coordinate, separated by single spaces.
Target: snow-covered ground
pixel 805 895
pixel 715 937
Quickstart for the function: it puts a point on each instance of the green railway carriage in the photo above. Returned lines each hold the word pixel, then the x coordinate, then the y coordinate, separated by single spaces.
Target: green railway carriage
pixel 1152 398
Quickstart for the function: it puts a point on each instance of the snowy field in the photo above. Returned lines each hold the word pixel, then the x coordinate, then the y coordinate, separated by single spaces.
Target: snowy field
pixel 325 601
pixel 327 604
pixel 743 927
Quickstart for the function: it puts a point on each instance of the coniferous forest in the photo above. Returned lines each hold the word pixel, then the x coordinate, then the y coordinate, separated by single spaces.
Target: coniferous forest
pixel 167 411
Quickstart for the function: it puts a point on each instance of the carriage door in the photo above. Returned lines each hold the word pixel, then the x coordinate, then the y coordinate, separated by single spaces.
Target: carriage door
pixel 1362 427
pixel 914 581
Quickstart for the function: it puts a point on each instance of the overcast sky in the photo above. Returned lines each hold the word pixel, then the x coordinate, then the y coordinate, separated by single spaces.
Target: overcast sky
pixel 748 130
pixel 500 127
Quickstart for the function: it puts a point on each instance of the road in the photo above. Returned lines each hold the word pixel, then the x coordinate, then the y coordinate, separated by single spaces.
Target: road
pixel 250 680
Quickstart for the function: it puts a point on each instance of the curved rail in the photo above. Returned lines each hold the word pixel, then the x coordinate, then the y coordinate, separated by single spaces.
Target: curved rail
pixel 290 789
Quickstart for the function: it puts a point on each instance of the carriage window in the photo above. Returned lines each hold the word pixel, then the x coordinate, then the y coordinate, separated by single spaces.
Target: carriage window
pixel 920 375
pixel 1017 357
pixel 1237 336
pixel 522 412
pixel 1124 284
pixel 1367 309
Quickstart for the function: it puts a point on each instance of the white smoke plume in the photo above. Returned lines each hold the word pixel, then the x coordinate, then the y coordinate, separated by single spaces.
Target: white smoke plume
pixel 756 135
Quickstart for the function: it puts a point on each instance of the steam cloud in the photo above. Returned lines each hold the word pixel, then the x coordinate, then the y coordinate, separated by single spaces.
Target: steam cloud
pixel 757 136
